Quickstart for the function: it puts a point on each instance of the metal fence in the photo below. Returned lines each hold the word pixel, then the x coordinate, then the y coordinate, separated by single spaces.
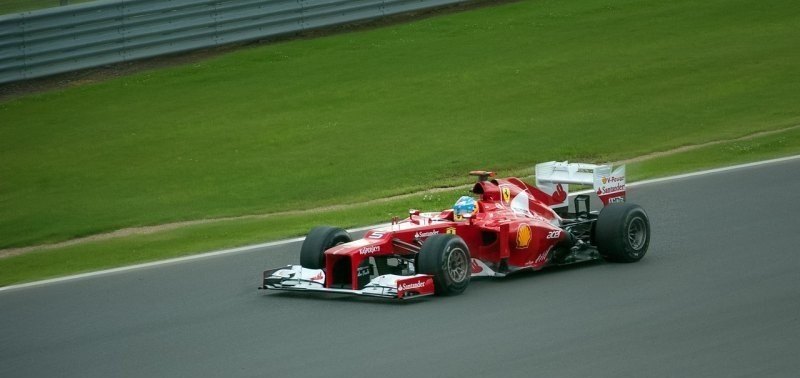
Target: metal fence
pixel 56 40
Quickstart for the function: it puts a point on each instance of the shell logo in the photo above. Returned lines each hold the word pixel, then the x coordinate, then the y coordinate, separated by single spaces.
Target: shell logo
pixel 506 193
pixel 523 236
pixel 604 180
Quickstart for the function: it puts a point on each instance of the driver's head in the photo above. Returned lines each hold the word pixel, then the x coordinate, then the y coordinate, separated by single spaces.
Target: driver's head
pixel 465 205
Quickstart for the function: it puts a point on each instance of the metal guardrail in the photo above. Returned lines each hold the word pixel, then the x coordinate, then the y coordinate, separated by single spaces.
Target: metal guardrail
pixel 68 38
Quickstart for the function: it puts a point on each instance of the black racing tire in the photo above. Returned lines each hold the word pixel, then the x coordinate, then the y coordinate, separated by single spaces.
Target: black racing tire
pixel 318 240
pixel 446 257
pixel 622 232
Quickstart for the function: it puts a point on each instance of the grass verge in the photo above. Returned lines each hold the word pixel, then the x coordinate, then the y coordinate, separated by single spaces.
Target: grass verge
pixel 341 119
pixel 224 234
pixel 15 6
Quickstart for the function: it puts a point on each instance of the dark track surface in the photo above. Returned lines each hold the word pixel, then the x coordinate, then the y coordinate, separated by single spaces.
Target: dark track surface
pixel 717 295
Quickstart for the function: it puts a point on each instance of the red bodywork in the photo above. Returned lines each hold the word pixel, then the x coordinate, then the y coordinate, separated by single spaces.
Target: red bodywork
pixel 513 223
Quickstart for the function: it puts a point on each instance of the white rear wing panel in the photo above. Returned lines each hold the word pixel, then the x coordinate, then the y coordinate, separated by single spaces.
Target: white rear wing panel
pixel 608 184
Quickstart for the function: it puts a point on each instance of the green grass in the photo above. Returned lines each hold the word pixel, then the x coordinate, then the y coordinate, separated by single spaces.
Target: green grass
pixel 768 147
pixel 340 119
pixel 191 240
pixel 225 234
pixel 14 6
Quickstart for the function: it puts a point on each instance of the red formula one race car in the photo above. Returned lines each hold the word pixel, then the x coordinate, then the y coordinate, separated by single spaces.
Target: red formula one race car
pixel 505 227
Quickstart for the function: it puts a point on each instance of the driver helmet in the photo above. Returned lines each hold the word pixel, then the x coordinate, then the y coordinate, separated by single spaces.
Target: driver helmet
pixel 465 205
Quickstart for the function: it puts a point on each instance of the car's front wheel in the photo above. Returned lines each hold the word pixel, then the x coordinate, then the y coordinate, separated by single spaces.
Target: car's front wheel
pixel 318 240
pixel 446 257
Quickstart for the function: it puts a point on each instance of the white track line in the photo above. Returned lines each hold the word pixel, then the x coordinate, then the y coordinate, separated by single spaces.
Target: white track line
pixel 247 248
pixel 251 248
pixel 715 170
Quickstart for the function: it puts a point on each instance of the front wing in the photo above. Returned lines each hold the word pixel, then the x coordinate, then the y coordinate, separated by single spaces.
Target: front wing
pixel 297 278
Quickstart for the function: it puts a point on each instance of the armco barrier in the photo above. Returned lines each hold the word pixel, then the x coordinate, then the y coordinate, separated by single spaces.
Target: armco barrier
pixel 62 39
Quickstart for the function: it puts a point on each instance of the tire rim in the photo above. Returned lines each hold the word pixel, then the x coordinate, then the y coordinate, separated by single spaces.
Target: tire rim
pixel 457 265
pixel 637 233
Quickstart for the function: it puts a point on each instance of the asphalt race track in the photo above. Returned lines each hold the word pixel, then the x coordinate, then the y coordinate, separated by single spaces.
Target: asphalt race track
pixel 718 295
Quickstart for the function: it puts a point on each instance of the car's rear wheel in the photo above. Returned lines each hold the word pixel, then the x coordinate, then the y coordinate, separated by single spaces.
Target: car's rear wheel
pixel 318 240
pixel 446 257
pixel 622 232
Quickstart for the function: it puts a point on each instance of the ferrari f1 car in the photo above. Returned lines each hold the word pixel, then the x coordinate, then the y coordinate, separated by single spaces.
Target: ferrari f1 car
pixel 505 226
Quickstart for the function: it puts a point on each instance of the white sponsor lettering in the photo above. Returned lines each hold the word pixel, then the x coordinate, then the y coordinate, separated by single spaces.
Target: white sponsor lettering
pixel 616 200
pixel 426 234
pixel 542 257
pixel 554 234
pixel 368 250
pixel 415 285
pixel 612 189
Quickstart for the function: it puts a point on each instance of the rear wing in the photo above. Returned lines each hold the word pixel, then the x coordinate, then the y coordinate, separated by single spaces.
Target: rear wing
pixel 554 176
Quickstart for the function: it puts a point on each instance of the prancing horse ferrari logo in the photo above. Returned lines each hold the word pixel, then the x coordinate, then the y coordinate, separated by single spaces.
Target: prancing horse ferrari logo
pixel 506 193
